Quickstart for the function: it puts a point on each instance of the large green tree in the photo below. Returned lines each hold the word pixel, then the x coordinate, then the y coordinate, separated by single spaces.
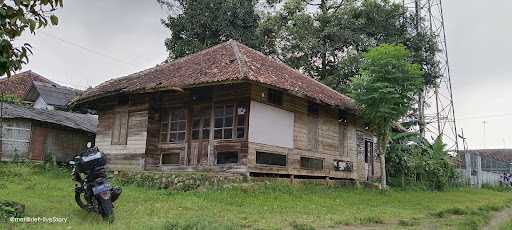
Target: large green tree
pixel 326 38
pixel 385 91
pixel 197 24
pixel 17 16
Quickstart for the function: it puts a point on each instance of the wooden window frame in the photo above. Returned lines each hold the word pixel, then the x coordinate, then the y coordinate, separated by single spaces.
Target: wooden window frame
pixel 275 97
pixel 168 153
pixel 312 158
pixel 217 157
pixel 236 123
pixel 168 121
pixel 272 165
pixel 313 109
pixel 204 127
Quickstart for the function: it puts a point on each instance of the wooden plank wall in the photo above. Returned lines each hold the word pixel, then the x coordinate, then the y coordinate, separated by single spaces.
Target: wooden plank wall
pixel 16 136
pixel 320 136
pixel 237 92
pixel 316 137
pixel 131 155
pixel 64 143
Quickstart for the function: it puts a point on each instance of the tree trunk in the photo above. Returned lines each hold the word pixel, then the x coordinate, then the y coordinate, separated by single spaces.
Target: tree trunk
pixel 383 145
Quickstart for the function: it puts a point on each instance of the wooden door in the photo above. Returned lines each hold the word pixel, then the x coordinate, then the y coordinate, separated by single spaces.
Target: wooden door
pixel 200 135
pixel 38 141
pixel 369 157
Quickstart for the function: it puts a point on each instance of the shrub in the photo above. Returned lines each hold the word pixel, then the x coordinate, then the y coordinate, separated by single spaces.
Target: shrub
pixel 413 161
pixel 11 209
pixel 181 182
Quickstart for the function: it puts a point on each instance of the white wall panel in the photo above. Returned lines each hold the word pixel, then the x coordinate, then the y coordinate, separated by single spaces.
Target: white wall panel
pixel 270 125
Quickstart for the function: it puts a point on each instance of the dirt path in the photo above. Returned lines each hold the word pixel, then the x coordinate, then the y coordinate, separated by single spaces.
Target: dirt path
pixel 499 218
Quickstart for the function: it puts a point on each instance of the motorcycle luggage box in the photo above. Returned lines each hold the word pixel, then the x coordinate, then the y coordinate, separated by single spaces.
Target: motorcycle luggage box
pixel 91 159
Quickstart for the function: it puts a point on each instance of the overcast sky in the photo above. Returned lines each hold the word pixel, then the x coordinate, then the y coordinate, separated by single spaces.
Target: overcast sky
pixel 99 40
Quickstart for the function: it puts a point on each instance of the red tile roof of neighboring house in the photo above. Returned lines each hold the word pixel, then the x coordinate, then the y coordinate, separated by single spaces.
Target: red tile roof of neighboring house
pixel 226 62
pixel 19 84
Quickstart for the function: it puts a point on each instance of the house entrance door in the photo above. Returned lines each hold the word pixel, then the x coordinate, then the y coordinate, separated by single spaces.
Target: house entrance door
pixel 200 135
pixel 368 159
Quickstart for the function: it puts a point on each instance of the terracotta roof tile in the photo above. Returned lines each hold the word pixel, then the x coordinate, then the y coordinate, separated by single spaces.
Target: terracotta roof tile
pixel 19 84
pixel 226 62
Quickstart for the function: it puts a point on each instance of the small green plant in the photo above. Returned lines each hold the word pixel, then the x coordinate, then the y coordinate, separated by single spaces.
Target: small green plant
pixel 50 161
pixel 371 220
pixel 11 209
pixel 301 226
pixel 451 211
pixel 407 223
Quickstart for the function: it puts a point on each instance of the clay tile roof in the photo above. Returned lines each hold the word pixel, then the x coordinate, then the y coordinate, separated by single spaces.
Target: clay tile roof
pixel 19 84
pixel 227 62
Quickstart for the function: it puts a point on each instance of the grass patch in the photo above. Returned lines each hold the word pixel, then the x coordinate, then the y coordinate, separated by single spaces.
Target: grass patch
pixel 507 225
pixel 450 211
pixel 49 193
pixel 302 226
pixel 371 220
pixel 407 223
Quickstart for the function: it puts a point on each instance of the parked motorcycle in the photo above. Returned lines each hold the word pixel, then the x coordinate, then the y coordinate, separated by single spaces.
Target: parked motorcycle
pixel 93 192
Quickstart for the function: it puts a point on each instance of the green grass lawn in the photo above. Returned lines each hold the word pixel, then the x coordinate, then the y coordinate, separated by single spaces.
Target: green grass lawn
pixel 263 206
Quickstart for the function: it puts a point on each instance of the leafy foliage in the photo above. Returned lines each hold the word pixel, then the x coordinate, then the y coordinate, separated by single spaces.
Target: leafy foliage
pixel 198 24
pixel 412 160
pixel 12 99
pixel 16 16
pixel 326 38
pixel 385 90
pixel 10 209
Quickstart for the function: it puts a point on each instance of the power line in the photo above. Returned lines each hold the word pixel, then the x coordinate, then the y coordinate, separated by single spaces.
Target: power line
pixel 486 116
pixel 89 49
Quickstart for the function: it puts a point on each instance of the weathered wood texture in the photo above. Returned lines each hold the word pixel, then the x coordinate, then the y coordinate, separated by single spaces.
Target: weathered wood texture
pixel 195 155
pixel 318 136
pixel 131 155
pixel 63 144
pixel 15 139
pixel 36 140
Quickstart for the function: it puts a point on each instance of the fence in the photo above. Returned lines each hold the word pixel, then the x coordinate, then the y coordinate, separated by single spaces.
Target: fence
pixel 478 170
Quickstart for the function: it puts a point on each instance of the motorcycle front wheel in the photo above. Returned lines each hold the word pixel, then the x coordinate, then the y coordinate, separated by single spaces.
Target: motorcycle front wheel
pixel 81 201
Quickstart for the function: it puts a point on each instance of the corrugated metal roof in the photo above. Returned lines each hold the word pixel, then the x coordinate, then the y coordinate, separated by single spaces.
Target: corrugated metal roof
pixel 54 94
pixel 85 122
pixel 226 62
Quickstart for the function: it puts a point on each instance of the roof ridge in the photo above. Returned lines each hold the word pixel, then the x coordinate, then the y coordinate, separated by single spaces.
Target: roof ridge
pixel 295 70
pixel 242 62
pixel 176 61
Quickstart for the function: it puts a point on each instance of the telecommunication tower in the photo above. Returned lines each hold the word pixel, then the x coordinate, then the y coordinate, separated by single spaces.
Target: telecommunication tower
pixel 435 105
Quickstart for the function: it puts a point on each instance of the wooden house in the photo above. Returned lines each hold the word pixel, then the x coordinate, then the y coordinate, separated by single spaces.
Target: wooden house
pixel 230 109
pixel 33 134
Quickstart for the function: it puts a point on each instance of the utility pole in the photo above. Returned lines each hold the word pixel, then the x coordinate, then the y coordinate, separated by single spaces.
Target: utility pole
pixel 1 122
pixel 421 94
pixel 484 123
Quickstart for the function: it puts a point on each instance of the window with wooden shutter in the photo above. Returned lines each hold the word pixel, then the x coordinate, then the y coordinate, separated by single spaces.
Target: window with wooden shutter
pixel 120 128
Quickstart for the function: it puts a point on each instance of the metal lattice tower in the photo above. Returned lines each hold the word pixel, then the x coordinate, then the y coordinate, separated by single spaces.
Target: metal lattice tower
pixel 439 111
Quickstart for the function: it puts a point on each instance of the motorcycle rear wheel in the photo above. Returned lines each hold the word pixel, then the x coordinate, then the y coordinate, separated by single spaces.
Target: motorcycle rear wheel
pixel 106 210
